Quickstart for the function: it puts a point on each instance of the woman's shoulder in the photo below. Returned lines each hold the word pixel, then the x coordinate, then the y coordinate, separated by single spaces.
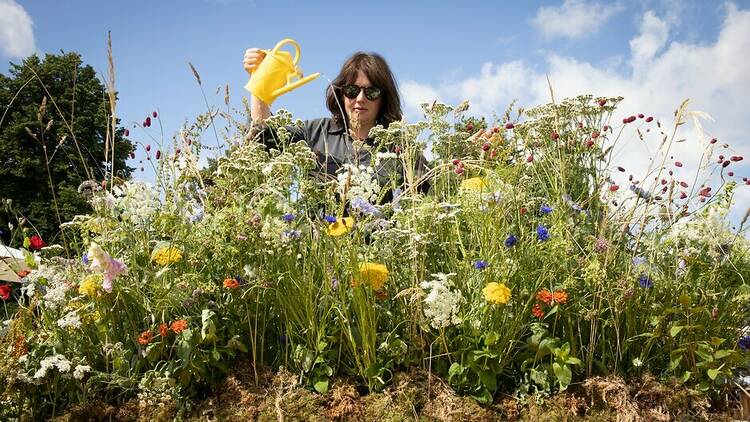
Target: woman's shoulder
pixel 326 124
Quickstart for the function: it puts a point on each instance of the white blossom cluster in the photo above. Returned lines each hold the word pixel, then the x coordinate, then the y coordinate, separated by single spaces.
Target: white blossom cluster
pixel 706 229
pixel 384 156
pixel 357 182
pixel 136 202
pixel 71 319
pixel 441 305
pixel 55 361
pixel 44 272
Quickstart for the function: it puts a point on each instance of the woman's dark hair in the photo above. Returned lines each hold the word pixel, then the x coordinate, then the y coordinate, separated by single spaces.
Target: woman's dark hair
pixel 377 71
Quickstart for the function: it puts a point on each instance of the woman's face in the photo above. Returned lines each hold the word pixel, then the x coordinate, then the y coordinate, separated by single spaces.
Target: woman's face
pixel 361 108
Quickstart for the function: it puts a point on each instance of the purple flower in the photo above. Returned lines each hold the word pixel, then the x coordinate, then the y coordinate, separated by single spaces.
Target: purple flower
pixel 288 217
pixel 542 233
pixel 480 265
pixel 292 234
pixel 511 241
pixel 330 219
pixel 85 259
pixel 638 260
pixel 545 209
pixel 334 283
pixel 744 343
pixel 365 207
pixel 645 282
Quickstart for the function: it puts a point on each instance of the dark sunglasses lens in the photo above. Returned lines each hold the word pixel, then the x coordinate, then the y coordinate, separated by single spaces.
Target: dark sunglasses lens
pixel 372 93
pixel 351 91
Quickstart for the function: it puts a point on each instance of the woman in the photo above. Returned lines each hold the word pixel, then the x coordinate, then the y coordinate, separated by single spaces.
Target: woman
pixel 363 95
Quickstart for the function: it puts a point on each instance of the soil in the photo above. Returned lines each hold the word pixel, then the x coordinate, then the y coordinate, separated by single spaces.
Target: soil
pixel 417 396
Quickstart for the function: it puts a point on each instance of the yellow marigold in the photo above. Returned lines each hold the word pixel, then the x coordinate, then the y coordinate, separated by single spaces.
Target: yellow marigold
pixel 90 285
pixel 497 293
pixel 167 255
pixel 372 274
pixel 341 226
pixel 474 183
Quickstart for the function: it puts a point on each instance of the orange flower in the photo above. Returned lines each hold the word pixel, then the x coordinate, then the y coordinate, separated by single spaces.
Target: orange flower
pixel 145 337
pixel 24 273
pixel 163 329
pixel 537 311
pixel 231 283
pixel 545 296
pixel 179 326
pixel 560 296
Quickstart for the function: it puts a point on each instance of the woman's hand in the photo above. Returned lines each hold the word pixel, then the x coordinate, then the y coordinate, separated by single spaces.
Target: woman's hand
pixel 253 58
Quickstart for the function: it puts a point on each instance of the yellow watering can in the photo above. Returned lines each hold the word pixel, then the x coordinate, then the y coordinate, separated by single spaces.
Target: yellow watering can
pixel 274 75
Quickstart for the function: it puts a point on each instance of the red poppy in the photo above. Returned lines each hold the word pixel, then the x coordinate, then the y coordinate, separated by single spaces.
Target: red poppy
pixel 36 242
pixel 5 291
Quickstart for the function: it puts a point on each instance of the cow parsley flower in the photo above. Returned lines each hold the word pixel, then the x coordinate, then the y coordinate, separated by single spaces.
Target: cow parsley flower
pixel 441 305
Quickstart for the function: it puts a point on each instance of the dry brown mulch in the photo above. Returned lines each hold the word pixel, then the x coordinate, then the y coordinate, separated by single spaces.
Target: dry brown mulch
pixel 417 396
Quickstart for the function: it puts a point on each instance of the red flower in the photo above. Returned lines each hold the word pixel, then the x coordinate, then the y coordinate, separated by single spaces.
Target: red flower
pixel 560 296
pixel 163 330
pixel 545 296
pixel 537 311
pixel 231 283
pixel 613 188
pixel 36 242
pixel 145 338
pixel 179 326
pixel 5 291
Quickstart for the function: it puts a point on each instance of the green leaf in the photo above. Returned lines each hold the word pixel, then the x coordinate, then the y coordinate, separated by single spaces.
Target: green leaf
pixel 208 329
pixel 491 338
pixel 563 374
pixel 454 370
pixel 488 379
pixel 675 330
pixel 713 373
pixel 721 354
pixel 321 386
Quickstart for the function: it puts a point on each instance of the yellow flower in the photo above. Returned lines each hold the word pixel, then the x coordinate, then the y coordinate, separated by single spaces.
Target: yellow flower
pixel 474 183
pixel 91 284
pixel 167 255
pixel 341 226
pixel 497 293
pixel 372 274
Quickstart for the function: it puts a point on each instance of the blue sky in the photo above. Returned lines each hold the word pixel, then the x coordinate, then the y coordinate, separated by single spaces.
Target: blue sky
pixel 655 53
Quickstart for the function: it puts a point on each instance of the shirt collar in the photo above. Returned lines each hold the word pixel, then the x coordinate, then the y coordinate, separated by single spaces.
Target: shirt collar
pixel 334 128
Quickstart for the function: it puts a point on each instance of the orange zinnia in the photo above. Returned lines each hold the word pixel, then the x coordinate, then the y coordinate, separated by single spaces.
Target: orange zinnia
pixel 231 283
pixel 145 337
pixel 560 296
pixel 179 326
pixel 537 311
pixel 545 296
pixel 163 329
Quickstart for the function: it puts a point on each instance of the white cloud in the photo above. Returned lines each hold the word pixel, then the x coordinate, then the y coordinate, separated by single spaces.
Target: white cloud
pixel 16 35
pixel 654 79
pixel 574 18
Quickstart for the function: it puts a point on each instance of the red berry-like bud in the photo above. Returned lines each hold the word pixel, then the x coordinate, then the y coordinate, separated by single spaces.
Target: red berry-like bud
pixel 126 133
pixel 459 170
pixel 530 158
pixel 158 154
pixel 594 134
pixel 658 198
pixel 580 125
pixel 713 140
pixel 555 136
pixel 470 126
pixel 683 195
pixel 493 153
pixel 509 126
pixel 663 181
pixel 678 164
pixel 613 188
pixel 589 143
pixel 640 115
pixel 721 157
pixel 602 102
pixel 621 169
pixel 486 146
pixel 495 129
pixel 456 161
pixel 154 114
pixel 726 163
pixel 148 147
pixel 649 119
pixel 730 174
pixel 736 158
pixel 705 192
pixel 671 173
pixel 523 210
pixel 147 122
pixel 664 189
pixel 605 128
pixel 630 178
pixel 177 151
pixel 702 199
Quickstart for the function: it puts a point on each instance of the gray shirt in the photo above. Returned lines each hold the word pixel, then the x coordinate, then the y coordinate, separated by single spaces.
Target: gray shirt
pixel 334 148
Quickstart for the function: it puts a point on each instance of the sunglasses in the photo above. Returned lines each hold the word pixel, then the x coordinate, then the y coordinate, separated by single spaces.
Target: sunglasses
pixel 352 91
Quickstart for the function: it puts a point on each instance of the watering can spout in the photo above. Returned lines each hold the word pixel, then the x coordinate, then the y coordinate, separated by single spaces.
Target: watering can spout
pixel 275 74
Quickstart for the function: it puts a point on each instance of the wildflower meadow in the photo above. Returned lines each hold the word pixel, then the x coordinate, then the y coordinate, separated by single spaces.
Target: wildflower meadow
pixel 524 268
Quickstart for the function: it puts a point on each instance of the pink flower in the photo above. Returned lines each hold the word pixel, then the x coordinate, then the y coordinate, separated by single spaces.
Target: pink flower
pixel 102 261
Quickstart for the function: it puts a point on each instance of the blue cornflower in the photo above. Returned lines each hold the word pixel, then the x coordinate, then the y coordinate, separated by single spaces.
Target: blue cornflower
pixel 542 233
pixel 85 258
pixel 480 265
pixel 240 280
pixel 545 209
pixel 292 234
pixel 288 217
pixel 645 282
pixel 511 241
pixel 330 219
pixel 744 343
pixel 198 215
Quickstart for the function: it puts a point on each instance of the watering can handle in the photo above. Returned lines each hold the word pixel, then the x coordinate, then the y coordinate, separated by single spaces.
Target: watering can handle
pixel 296 49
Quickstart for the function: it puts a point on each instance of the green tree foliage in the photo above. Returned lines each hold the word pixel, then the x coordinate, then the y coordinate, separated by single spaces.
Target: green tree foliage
pixel 53 126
